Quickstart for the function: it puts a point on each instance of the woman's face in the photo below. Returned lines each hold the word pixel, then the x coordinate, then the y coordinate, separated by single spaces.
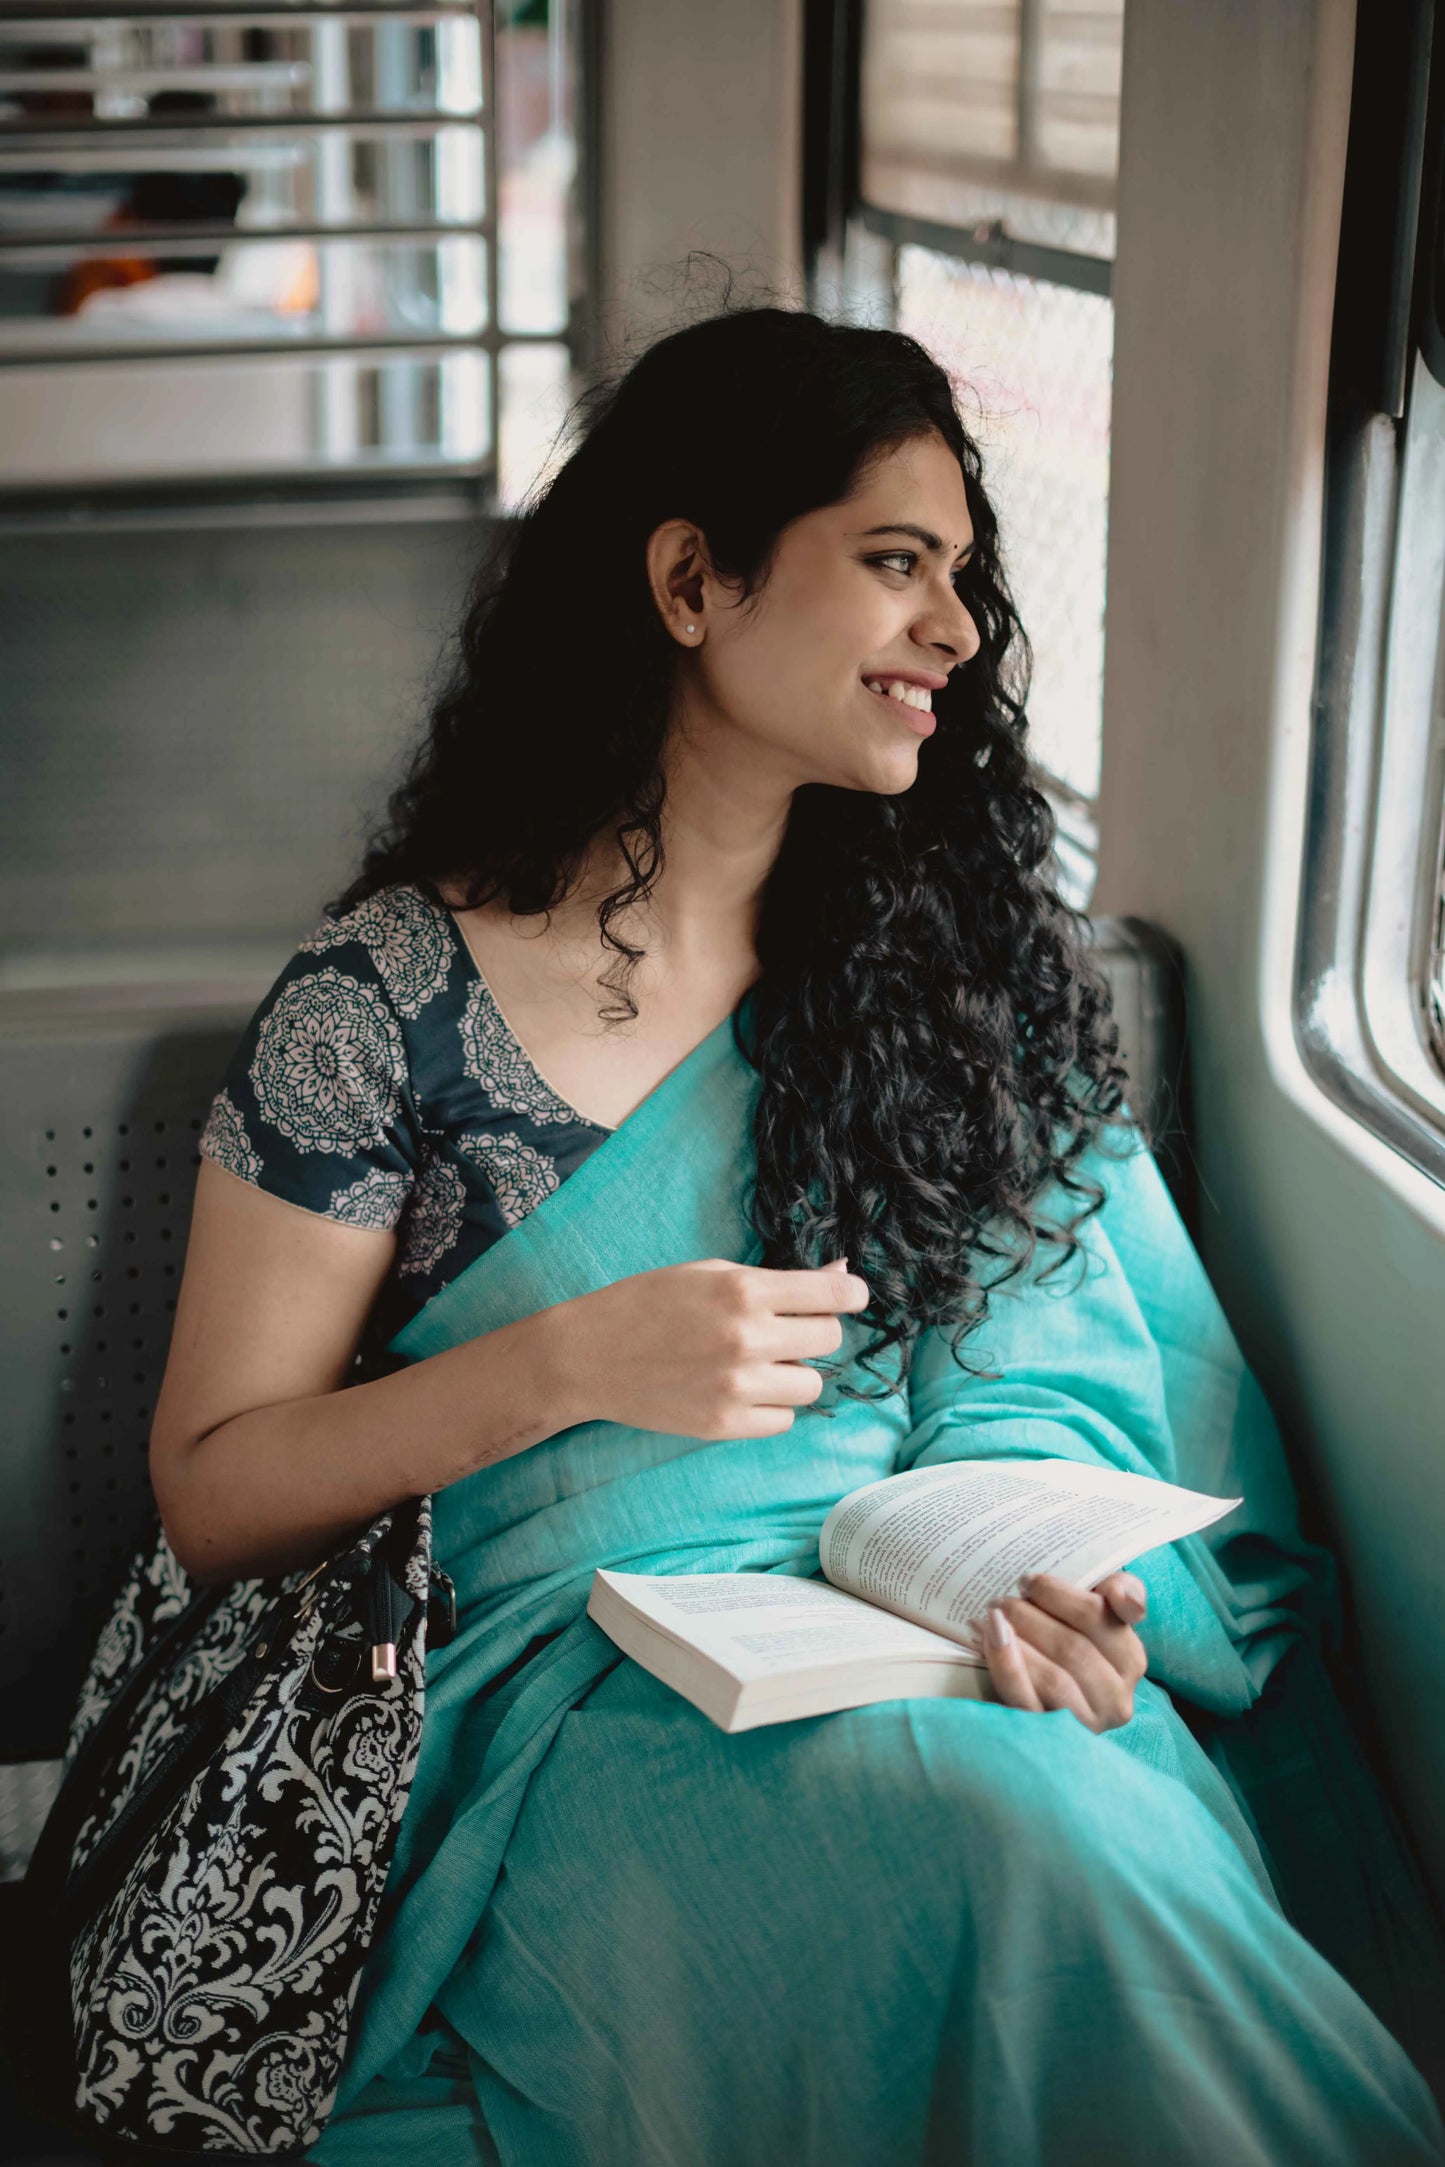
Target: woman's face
pixel 860 606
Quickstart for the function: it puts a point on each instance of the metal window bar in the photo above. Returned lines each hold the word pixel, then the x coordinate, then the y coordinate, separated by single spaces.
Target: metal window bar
pixel 85 148
pixel 1029 172
pixel 490 198
pixel 992 245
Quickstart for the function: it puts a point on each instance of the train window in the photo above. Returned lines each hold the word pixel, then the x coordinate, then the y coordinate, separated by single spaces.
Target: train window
pixel 1001 118
pixel 1370 976
pixel 287 244
pixel 976 202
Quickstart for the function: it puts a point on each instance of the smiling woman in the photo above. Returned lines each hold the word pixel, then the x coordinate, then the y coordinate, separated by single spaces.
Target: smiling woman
pixel 710 948
pixel 900 609
pixel 746 478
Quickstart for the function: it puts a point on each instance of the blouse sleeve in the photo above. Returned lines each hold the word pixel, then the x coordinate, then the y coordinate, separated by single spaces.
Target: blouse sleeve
pixel 316 1105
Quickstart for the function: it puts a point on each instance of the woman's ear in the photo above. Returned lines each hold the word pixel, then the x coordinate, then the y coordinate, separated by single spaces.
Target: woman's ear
pixel 678 572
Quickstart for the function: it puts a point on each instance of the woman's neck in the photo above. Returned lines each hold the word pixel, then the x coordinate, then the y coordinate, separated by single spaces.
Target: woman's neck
pixel 722 828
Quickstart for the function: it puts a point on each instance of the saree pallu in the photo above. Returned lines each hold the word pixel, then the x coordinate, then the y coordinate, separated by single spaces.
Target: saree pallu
pixel 921 1931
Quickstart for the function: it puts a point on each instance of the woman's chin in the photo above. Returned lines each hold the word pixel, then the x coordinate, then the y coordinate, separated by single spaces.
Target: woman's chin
pixel 897 773
pixel 884 771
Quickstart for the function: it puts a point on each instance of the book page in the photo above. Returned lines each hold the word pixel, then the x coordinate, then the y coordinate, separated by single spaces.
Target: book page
pixel 939 1544
pixel 758 1624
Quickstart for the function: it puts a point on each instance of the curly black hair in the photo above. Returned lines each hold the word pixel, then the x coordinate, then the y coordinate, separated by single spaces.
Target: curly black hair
pixel 934 1045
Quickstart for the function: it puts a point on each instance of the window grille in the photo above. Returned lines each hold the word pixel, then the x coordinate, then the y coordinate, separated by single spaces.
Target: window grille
pixel 1003 117
pixel 981 219
pixel 247 243
pixel 1034 364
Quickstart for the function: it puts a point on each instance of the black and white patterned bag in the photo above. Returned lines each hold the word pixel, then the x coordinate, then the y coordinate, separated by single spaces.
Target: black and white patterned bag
pixel 237 1770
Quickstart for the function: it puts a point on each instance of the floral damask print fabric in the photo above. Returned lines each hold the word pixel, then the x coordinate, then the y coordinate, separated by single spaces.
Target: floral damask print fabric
pixel 378 1199
pixel 212 1984
pixel 330 1065
pixel 224 1139
pixel 520 1174
pixel 380 1086
pixel 490 1053
pixel 408 937
pixel 434 1221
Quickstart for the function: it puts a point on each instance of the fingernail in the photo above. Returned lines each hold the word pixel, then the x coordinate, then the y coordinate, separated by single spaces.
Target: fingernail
pixel 998 1631
pixel 1132 1585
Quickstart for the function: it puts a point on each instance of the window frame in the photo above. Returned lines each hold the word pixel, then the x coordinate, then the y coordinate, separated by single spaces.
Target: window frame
pixel 989 244
pixel 995 248
pixel 1375 824
pixel 462 491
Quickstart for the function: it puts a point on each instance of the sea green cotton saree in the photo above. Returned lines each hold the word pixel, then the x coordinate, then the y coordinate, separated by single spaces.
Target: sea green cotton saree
pixel 922 1931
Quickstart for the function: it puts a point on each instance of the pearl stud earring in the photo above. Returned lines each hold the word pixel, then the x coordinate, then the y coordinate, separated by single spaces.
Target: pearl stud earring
pixel 692 628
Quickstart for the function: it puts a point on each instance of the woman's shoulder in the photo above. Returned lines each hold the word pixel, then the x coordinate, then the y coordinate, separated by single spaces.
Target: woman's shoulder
pixel 402 940
pixel 324 1073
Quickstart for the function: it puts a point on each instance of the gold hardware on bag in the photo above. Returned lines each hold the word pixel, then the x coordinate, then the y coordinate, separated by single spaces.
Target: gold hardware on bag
pixel 303 1609
pixel 320 1683
pixel 383 1661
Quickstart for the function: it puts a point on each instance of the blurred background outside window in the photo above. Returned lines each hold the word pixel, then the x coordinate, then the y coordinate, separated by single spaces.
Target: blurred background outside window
pixel 307 242
pixel 973 205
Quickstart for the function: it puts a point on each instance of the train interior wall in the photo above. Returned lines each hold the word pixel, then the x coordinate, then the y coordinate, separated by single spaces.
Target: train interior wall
pixel 1327 1249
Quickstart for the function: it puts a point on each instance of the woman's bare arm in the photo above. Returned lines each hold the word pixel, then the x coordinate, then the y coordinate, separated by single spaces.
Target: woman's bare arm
pixel 259 1459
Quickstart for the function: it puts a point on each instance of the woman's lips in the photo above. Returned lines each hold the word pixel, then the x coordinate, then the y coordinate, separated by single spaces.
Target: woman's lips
pixel 922 724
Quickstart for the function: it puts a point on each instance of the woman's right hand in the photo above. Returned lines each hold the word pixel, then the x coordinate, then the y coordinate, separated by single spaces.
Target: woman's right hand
pixel 709 1350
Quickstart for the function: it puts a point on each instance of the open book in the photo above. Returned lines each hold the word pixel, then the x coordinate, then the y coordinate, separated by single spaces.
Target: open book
pixel 912 1564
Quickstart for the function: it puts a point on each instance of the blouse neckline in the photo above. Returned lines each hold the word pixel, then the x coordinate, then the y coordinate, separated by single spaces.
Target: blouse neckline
pixel 469 953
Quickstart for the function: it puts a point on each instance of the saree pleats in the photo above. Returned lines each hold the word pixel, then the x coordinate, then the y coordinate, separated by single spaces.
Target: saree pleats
pixel 923 1931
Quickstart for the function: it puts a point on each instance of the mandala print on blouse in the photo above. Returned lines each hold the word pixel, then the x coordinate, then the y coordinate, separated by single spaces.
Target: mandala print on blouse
pixel 329 1064
pixel 492 1057
pixel 378 1199
pixel 519 1174
pixel 224 1139
pixel 407 937
pixel 435 1218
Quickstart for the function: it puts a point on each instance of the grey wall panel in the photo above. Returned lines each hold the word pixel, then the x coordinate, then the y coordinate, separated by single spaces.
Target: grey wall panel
pixel 1328 1251
pixel 195 726
pixel 701 149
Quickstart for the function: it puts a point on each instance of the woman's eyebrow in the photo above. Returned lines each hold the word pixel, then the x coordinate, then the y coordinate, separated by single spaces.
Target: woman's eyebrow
pixel 919 534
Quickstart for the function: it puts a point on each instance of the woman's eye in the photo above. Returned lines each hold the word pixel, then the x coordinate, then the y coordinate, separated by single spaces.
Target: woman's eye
pixel 905 559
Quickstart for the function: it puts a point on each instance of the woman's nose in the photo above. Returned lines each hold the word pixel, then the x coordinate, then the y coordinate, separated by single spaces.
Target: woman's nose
pixel 971 640
pixel 951 629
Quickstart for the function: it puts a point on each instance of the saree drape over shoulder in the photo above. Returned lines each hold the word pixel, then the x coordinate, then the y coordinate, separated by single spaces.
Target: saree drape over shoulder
pixel 931 1930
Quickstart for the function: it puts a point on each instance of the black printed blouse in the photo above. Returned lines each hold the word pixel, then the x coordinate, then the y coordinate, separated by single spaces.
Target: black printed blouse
pixel 379 1084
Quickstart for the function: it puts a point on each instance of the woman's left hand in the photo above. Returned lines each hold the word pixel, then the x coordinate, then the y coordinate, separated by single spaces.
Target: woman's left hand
pixel 1055 1646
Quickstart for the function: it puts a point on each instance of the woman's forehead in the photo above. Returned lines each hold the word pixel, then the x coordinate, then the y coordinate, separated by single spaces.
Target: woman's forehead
pixel 919 483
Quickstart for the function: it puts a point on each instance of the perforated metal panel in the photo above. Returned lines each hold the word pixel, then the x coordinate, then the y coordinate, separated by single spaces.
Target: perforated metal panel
pixel 97 1172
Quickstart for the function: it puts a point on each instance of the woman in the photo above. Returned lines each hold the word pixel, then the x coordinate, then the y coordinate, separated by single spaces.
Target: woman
pixel 711 952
